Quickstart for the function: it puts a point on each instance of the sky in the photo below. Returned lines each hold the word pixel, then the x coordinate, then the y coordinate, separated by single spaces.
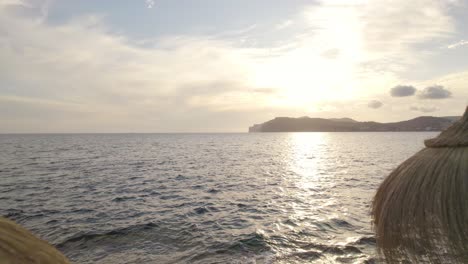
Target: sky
pixel 221 66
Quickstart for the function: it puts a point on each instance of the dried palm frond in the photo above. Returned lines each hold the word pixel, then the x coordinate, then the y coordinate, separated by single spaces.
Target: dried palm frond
pixel 420 211
pixel 18 245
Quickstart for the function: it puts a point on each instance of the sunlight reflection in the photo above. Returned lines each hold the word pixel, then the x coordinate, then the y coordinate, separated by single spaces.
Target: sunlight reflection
pixel 309 163
pixel 307 150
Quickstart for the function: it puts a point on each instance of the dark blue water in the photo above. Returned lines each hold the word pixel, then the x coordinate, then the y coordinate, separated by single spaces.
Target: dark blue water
pixel 201 198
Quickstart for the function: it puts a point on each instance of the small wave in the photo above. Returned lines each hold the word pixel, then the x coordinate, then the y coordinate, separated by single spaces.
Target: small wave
pixel 335 222
pixel 341 250
pixel 81 211
pixel 8 190
pixel 304 256
pixel 138 163
pixel 86 237
pixel 201 210
pixel 247 245
pixel 13 214
pixel 255 242
pixel 180 177
pixel 290 222
pixel 169 197
pixel 20 215
pixel 369 240
pixel 123 198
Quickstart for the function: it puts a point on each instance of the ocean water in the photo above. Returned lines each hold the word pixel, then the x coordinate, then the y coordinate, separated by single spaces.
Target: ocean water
pixel 201 198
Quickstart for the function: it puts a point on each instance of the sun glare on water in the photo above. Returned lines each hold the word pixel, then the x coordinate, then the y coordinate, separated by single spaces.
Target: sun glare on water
pixel 307 150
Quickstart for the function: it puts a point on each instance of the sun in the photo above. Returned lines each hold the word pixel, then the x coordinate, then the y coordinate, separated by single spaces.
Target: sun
pixel 322 66
pixel 302 77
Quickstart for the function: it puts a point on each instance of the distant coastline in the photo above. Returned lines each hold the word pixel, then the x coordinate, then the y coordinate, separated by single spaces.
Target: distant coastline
pixel 308 124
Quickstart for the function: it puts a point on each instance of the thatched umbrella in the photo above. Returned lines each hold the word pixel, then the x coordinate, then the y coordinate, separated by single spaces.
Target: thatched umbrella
pixel 420 211
pixel 19 246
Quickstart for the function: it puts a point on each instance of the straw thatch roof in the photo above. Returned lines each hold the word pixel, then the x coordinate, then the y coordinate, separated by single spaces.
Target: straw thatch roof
pixel 420 210
pixel 17 246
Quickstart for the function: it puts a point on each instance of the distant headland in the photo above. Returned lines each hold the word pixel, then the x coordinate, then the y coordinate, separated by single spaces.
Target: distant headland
pixel 307 124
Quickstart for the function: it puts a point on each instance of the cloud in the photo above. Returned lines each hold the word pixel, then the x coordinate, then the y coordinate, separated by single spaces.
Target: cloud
pixel 434 92
pixel 391 31
pixel 47 68
pixel 331 53
pixel 284 24
pixel 375 104
pixel 402 91
pixel 149 3
pixel 264 90
pixel 458 44
pixel 424 109
pixel 100 80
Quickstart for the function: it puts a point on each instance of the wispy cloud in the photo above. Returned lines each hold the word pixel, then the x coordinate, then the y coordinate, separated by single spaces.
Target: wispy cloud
pixel 110 77
pixel 149 3
pixel 285 24
pixel 424 109
pixel 458 44
pixel 375 104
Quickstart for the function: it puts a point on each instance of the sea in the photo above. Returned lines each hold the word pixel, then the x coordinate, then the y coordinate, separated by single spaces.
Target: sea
pixel 201 198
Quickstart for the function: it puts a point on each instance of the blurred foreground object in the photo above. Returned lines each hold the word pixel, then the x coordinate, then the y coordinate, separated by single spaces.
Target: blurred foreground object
pixel 18 245
pixel 420 210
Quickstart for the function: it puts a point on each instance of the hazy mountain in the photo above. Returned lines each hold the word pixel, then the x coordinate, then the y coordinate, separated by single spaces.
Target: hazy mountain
pixel 307 124
pixel 344 119
pixel 452 118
